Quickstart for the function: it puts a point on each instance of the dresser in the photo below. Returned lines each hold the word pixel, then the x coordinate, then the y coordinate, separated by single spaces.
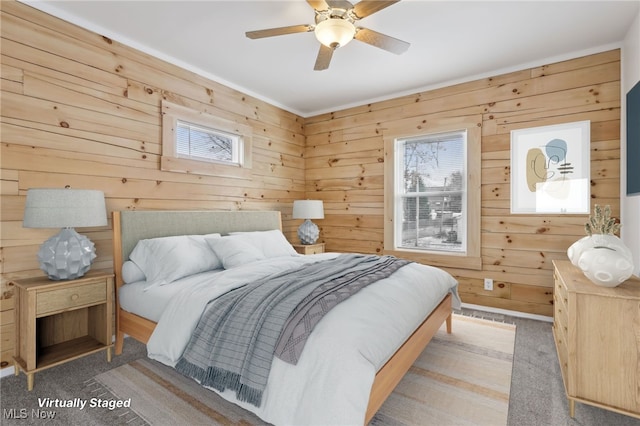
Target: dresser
pixel 597 335
pixel 58 321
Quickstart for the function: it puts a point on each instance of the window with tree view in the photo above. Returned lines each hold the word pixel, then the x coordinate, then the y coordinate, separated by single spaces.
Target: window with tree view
pixel 431 192
pixel 205 144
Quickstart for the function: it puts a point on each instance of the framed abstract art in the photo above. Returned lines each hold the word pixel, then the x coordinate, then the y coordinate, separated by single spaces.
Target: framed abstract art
pixel 550 169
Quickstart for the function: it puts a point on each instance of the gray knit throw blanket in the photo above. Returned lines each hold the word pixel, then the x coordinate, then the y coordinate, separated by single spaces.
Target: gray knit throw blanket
pixel 235 340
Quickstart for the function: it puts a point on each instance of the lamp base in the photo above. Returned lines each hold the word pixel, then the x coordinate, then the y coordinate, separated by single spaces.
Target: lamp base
pixel 308 232
pixel 67 255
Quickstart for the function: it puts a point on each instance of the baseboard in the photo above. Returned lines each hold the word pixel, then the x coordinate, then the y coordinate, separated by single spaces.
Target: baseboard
pixel 8 371
pixel 508 312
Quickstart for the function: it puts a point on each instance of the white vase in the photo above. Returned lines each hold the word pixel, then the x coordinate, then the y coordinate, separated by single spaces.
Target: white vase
pixel 604 259
pixel 575 250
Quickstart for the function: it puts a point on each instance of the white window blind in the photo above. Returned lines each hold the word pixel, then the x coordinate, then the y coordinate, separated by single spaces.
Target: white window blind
pixel 202 143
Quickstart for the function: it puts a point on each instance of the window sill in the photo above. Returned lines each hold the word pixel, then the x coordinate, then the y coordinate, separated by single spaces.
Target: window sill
pixel 181 165
pixel 459 261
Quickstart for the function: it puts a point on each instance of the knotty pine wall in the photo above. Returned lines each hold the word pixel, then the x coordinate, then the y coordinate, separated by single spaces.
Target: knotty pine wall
pixel 82 110
pixel 344 167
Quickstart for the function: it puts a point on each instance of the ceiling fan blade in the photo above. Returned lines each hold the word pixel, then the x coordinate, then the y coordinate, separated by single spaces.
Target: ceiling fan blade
pixel 339 4
pixel 279 31
pixel 318 4
pixel 324 58
pixel 368 7
pixel 382 41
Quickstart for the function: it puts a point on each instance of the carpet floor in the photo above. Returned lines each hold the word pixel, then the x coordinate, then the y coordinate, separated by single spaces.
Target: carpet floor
pixel 536 393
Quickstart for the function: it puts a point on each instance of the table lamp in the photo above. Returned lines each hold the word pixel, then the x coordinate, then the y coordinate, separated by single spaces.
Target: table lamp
pixel 308 232
pixel 67 255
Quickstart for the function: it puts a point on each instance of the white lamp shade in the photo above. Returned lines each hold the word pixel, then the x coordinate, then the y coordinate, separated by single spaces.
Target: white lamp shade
pixel 335 32
pixel 308 209
pixel 64 208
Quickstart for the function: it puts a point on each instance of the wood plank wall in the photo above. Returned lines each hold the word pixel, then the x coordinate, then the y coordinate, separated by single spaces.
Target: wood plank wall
pixel 344 167
pixel 82 110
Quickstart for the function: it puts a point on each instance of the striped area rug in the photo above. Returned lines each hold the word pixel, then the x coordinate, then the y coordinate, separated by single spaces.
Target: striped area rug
pixel 460 379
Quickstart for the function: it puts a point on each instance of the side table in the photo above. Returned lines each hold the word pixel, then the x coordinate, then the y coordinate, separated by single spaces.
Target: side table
pixel 58 321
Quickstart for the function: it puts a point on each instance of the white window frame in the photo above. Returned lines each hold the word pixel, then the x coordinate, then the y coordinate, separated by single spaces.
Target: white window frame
pixel 174 162
pixel 401 195
pixel 471 258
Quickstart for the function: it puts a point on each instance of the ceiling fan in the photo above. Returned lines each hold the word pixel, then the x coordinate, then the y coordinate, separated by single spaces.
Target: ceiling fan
pixel 335 26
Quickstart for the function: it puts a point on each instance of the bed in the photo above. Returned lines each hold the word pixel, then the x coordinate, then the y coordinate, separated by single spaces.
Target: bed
pixel 385 363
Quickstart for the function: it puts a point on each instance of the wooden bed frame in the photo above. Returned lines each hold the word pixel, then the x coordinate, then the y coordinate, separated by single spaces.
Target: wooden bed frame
pixel 132 226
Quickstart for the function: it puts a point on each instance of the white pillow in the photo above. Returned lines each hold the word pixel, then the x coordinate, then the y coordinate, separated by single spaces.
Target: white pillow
pixel 132 273
pixel 271 243
pixel 166 259
pixel 233 251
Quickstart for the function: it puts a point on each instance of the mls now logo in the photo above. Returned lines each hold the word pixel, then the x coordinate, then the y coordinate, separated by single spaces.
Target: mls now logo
pixel 23 413
pixel 14 413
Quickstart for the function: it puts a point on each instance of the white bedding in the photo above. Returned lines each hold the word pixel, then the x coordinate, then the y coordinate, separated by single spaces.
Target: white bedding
pixel 149 303
pixel 332 381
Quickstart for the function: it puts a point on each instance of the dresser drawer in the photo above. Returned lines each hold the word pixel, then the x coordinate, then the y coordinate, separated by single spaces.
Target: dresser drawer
pixel 561 346
pixel 560 332
pixel 560 290
pixel 68 298
pixel 560 314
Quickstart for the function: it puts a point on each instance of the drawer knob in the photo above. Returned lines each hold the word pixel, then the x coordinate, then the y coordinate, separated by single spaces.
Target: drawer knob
pixel 74 297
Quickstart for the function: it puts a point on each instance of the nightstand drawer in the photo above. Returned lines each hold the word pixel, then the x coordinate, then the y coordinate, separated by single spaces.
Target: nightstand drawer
pixel 70 297
pixel 309 248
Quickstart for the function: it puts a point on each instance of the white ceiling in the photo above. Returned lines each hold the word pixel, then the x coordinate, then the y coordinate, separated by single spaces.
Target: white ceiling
pixel 451 41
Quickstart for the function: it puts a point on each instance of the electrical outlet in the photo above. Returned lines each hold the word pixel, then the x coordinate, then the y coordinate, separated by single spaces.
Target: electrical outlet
pixel 488 284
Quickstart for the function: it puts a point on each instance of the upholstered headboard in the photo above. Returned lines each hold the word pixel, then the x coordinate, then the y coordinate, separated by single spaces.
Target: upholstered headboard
pixel 129 227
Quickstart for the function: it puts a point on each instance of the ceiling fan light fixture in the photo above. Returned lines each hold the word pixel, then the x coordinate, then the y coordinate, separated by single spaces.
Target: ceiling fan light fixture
pixel 335 32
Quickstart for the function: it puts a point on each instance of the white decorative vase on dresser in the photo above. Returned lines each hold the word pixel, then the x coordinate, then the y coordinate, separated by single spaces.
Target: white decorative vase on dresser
pixel 603 258
pixel 601 255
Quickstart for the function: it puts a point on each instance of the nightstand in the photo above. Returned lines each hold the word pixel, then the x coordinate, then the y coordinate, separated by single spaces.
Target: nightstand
pixel 309 248
pixel 58 321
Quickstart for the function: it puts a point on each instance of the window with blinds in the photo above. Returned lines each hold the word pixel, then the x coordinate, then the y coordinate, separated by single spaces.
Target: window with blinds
pixel 207 144
pixel 431 192
pixel 198 142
